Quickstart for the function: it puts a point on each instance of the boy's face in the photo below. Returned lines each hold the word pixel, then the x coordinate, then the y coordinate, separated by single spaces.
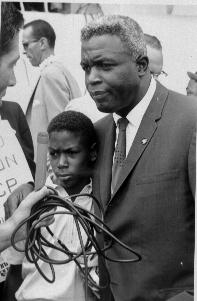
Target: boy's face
pixel 70 160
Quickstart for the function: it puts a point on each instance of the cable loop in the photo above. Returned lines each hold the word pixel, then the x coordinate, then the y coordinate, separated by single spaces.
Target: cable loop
pixel 91 224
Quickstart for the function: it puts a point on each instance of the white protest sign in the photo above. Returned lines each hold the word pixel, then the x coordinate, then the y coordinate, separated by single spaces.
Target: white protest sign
pixel 14 171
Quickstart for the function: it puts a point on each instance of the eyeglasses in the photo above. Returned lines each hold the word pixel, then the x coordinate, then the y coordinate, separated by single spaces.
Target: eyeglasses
pixel 26 45
pixel 156 75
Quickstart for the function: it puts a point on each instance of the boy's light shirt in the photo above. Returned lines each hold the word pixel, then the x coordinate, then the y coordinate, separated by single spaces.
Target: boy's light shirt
pixel 69 284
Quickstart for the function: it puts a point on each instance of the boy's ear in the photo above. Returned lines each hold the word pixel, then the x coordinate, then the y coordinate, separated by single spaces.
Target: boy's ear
pixel 142 65
pixel 93 153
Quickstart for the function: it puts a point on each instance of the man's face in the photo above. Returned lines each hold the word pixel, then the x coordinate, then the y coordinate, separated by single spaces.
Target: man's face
pixel 192 87
pixel 31 47
pixel 155 57
pixel 111 76
pixel 69 158
pixel 7 63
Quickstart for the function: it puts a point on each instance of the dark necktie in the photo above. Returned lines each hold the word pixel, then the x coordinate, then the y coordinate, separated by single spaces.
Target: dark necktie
pixel 120 151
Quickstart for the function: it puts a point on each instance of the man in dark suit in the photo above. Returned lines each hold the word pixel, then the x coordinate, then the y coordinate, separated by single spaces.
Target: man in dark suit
pixel 145 173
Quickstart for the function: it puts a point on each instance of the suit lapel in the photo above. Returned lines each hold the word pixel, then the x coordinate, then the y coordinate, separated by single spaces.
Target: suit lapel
pixel 145 133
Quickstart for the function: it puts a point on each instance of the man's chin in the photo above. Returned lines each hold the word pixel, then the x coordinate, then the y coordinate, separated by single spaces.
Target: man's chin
pixel 103 108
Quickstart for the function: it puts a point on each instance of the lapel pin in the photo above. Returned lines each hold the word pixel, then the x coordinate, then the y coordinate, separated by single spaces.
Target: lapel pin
pixel 144 141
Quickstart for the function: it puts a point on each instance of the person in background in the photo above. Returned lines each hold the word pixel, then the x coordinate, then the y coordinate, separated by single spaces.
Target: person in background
pixel 145 173
pixel 86 105
pixel 55 86
pixel 155 55
pixel 192 84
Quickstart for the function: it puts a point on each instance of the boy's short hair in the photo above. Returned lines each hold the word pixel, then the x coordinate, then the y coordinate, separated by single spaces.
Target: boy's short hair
pixel 75 122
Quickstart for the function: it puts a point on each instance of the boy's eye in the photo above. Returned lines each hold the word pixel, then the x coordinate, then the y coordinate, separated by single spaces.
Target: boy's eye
pixel 53 154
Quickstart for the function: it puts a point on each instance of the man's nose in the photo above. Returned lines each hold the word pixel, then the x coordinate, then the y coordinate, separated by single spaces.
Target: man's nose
pixel 12 80
pixel 93 77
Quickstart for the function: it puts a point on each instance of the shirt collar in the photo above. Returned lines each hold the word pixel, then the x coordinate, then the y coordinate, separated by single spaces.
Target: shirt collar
pixel 49 60
pixel 136 114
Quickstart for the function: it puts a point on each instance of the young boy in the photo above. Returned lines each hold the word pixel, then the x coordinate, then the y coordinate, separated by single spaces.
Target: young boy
pixel 72 152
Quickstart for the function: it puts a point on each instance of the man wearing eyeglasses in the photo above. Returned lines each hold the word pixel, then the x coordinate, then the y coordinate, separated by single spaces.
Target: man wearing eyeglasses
pixel 155 56
pixel 55 86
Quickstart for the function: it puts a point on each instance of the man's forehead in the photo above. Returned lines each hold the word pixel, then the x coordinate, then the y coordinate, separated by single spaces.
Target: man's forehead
pixel 27 32
pixel 154 54
pixel 105 43
pixel 102 54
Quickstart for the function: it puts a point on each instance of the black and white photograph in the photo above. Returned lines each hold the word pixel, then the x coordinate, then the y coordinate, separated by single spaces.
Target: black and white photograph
pixel 98 113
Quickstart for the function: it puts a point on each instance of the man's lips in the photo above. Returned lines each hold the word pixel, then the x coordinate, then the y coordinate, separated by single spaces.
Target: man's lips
pixel 97 92
pixel 98 95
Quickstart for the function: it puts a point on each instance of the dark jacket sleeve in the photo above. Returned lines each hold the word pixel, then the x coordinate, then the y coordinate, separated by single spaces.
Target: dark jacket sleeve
pixel 12 112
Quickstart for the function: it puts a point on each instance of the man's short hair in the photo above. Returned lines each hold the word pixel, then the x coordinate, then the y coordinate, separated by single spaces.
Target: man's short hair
pixel 75 122
pixel 42 29
pixel 11 22
pixel 128 30
pixel 152 41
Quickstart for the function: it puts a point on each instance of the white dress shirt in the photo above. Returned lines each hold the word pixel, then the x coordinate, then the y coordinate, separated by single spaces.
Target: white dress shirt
pixel 87 106
pixel 135 116
pixel 49 60
pixel 69 284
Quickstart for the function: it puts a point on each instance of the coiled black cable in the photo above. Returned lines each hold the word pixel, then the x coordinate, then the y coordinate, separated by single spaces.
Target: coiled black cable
pixel 84 219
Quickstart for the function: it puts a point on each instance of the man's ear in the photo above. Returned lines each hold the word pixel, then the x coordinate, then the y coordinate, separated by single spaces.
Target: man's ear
pixel 44 43
pixel 142 65
pixel 93 153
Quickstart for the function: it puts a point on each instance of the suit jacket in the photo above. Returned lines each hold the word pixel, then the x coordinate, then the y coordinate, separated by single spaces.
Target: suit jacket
pixel 54 89
pixel 152 206
pixel 12 112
